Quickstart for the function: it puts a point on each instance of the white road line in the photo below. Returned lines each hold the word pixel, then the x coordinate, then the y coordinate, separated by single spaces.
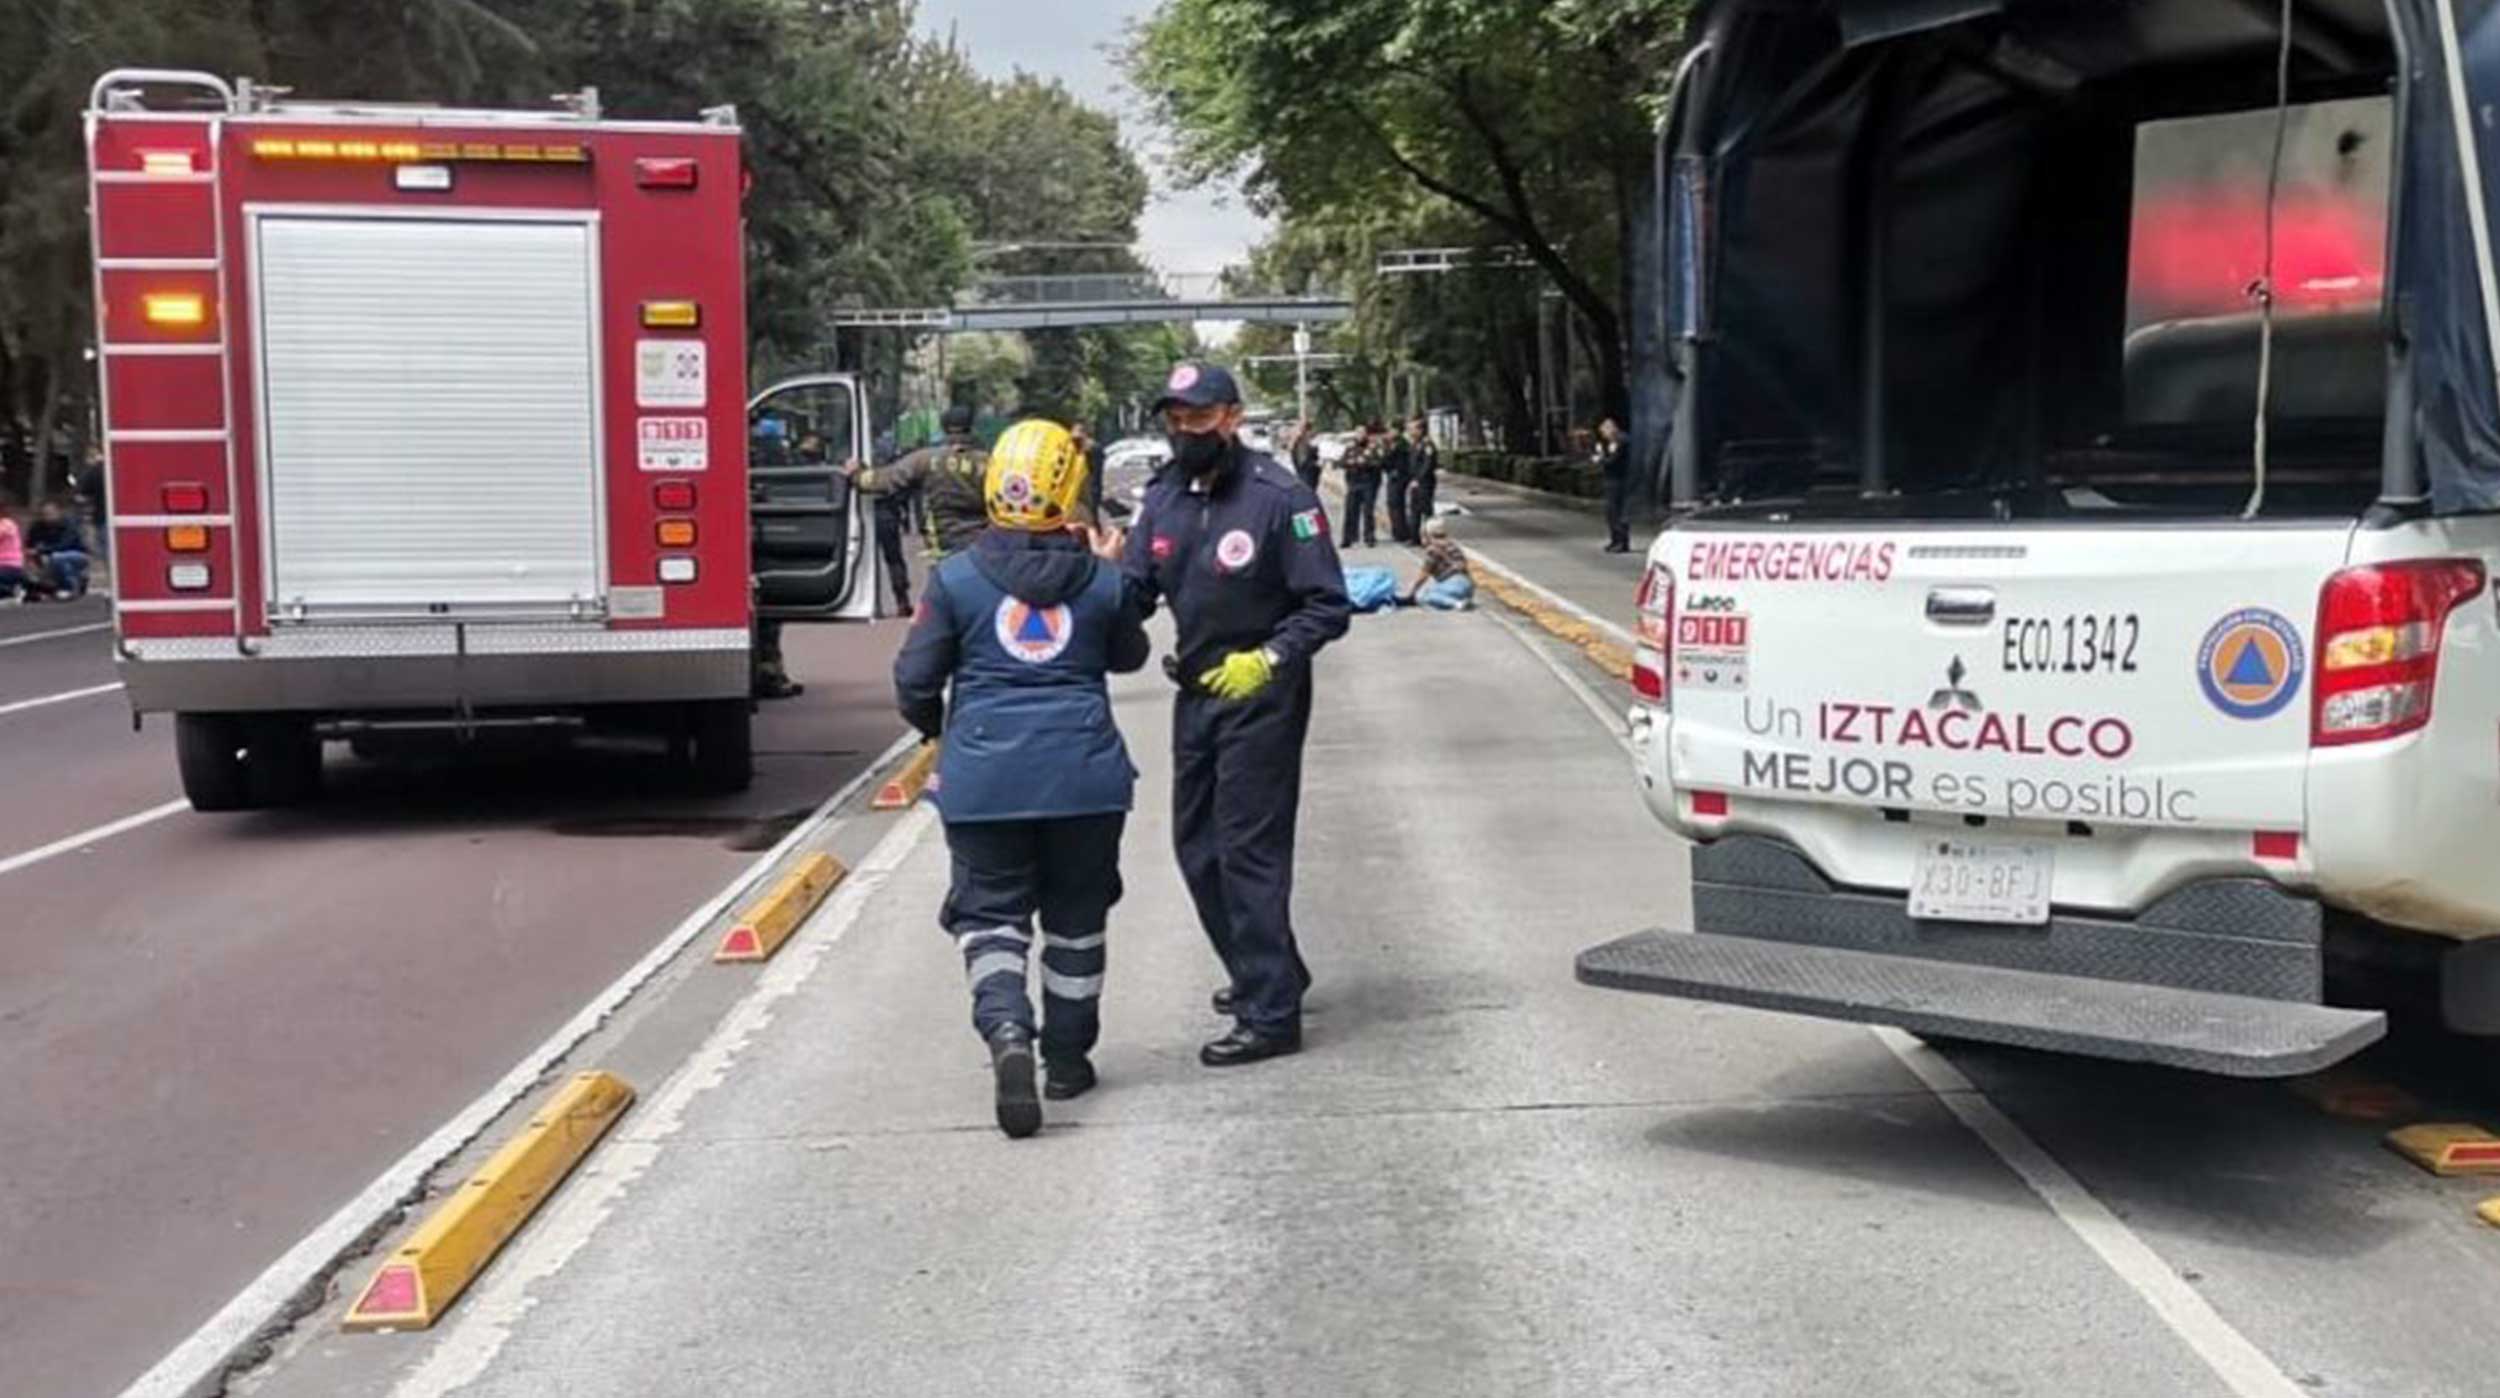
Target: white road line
pixel 2233 1357
pixel 85 838
pixel 2242 1367
pixel 487 1318
pixel 298 1280
pixel 63 697
pixel 1611 719
pixel 30 639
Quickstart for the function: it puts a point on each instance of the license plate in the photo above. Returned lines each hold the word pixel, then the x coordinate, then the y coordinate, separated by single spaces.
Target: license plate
pixel 1981 881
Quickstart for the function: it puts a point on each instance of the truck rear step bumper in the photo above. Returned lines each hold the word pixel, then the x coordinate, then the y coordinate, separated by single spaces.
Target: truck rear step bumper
pixel 2233 1035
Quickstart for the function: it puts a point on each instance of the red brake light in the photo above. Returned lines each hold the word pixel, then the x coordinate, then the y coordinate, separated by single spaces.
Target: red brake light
pixel 673 495
pixel 665 172
pixel 2379 630
pixel 185 498
pixel 1655 603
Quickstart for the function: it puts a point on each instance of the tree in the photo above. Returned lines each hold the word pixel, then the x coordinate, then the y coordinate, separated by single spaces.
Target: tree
pixel 1529 118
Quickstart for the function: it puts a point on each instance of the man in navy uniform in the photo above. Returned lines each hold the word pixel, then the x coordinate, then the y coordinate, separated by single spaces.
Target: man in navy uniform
pixel 1240 550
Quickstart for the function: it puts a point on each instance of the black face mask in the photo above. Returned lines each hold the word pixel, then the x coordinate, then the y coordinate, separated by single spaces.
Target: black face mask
pixel 1197 452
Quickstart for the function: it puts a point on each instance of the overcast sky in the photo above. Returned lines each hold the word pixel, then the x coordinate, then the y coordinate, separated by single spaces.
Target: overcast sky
pixel 1074 41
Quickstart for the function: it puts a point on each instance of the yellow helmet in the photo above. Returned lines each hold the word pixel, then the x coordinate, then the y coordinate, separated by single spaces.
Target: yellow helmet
pixel 1036 477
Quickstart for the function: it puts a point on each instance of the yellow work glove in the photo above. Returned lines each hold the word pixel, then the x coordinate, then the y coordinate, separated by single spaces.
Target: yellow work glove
pixel 1243 673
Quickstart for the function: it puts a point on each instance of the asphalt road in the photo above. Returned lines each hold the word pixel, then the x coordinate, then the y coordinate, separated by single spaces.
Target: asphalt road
pixel 216 1029
pixel 1480 1178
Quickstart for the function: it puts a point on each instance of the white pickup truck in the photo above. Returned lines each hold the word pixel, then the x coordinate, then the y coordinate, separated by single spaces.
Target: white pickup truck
pixel 2018 689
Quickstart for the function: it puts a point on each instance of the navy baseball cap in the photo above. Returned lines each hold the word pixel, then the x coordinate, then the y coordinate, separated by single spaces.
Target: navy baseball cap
pixel 1198 385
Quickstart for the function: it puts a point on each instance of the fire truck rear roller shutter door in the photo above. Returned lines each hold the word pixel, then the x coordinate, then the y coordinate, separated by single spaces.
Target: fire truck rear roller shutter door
pixel 432 396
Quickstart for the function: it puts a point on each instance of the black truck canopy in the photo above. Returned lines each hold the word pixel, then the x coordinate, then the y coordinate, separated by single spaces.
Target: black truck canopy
pixel 1930 245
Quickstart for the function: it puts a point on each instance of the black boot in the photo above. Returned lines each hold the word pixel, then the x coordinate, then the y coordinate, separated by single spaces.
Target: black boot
pixel 1011 1061
pixel 1248 1045
pixel 1067 1078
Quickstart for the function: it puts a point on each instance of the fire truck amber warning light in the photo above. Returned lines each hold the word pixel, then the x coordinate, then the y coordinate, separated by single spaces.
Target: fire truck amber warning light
pixel 405 152
pixel 671 315
pixel 165 162
pixel 175 308
pixel 187 538
pixel 677 533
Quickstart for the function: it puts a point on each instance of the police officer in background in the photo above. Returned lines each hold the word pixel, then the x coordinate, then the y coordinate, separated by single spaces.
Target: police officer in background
pixel 1423 470
pixel 1240 550
pixel 1306 455
pixel 894 511
pixel 1397 470
pixel 948 476
pixel 1361 464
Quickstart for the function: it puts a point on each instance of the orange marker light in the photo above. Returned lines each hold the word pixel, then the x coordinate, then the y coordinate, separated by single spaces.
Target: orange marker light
pixel 676 533
pixel 175 308
pixel 671 315
pixel 187 538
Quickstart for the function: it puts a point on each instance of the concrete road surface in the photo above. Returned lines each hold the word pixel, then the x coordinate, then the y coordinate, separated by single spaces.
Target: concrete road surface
pixel 1480 1178
pixel 214 1030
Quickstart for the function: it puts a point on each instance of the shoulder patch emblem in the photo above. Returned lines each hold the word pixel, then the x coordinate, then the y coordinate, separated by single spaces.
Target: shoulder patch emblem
pixel 1309 525
pixel 1234 551
pixel 1033 634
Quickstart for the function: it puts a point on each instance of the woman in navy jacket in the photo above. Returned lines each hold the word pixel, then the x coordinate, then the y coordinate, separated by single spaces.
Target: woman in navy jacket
pixel 1006 663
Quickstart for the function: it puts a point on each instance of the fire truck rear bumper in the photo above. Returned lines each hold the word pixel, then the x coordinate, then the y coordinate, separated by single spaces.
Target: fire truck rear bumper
pixel 346 671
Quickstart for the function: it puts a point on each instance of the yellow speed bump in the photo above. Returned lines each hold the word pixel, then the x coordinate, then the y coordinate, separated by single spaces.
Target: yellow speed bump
pixel 908 781
pixel 413 1288
pixel 2448 1148
pixel 769 920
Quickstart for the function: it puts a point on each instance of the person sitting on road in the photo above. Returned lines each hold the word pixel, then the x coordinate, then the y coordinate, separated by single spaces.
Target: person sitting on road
pixel 1006 663
pixel 12 558
pixel 1444 582
pixel 59 544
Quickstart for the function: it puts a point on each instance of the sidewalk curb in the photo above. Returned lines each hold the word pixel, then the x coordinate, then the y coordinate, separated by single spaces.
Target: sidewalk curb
pixel 244 1330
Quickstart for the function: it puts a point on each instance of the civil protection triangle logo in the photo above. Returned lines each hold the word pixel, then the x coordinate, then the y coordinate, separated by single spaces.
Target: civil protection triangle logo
pixel 1033 634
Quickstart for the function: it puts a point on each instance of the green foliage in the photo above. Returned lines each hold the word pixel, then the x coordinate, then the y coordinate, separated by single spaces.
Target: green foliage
pixel 880 160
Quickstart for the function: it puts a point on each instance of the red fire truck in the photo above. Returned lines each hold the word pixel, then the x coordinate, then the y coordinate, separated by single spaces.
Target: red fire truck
pixel 418 416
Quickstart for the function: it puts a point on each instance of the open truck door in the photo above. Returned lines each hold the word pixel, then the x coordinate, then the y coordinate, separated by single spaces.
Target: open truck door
pixel 814 556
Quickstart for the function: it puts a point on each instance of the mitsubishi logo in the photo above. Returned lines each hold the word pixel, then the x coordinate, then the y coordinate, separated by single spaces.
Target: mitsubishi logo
pixel 1953 696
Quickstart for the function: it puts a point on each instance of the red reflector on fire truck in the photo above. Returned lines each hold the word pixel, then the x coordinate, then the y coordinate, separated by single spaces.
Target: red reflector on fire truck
pixel 174 308
pixel 185 498
pixel 665 172
pixel 673 495
pixel 187 538
pixel 677 533
pixel 671 315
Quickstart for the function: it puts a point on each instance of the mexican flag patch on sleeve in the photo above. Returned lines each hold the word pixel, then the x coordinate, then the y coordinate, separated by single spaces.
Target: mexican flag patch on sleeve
pixel 1308 525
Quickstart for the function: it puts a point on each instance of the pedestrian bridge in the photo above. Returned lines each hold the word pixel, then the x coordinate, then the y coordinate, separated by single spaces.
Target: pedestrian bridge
pixel 1045 302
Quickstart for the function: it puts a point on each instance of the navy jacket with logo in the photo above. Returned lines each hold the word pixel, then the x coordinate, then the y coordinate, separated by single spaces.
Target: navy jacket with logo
pixel 1245 562
pixel 1005 662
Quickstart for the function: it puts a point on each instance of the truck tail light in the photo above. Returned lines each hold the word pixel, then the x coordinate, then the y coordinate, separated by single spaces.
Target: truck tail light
pixel 187 538
pixel 174 308
pixel 1655 604
pixel 184 498
pixel 677 570
pixel 665 171
pixel 187 577
pixel 677 533
pixel 162 163
pixel 673 495
pixel 672 315
pixel 2379 629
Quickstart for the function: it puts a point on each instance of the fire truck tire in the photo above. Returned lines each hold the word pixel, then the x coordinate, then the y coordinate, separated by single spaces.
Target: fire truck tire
pixel 723 735
pixel 282 760
pixel 209 750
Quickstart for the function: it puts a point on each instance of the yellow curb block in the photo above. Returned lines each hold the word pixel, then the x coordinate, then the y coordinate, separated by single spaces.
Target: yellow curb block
pixel 2489 1211
pixel 769 920
pixel 421 1280
pixel 905 786
pixel 2448 1148
pixel 1600 648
